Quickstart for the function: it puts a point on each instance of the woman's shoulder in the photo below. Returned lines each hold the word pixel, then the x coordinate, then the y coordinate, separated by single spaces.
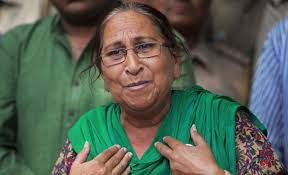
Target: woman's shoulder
pixel 199 95
pixel 254 152
pixel 97 113
pixel 199 91
pixel 91 124
pixel 92 112
pixel 95 117
pixel 193 92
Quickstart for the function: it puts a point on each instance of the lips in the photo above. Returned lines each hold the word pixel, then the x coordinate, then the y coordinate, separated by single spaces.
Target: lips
pixel 138 83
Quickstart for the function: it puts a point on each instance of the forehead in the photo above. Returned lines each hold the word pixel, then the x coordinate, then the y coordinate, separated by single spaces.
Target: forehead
pixel 129 24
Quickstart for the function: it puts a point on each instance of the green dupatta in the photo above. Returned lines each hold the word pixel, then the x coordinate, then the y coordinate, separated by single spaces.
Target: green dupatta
pixel 213 115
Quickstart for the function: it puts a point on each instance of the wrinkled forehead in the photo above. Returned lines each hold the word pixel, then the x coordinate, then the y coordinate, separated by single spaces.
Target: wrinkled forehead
pixel 129 25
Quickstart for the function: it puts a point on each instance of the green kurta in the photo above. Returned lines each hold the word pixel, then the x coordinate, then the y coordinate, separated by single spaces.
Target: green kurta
pixel 42 94
pixel 213 115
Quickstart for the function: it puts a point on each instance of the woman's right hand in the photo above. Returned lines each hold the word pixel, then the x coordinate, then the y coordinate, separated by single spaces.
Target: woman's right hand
pixel 112 161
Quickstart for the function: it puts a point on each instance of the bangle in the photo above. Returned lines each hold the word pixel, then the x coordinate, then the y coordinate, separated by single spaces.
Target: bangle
pixel 227 172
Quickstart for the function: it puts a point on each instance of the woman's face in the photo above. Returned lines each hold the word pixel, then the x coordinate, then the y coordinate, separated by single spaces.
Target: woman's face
pixel 138 84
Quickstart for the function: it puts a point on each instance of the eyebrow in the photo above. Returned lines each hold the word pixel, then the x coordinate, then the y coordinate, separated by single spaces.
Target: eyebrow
pixel 141 38
pixel 112 45
pixel 135 40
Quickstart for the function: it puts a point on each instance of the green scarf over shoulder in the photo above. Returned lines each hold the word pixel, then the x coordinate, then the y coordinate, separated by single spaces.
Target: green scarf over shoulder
pixel 213 115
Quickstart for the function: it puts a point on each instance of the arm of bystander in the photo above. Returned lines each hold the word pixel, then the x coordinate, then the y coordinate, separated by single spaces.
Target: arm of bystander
pixel 10 162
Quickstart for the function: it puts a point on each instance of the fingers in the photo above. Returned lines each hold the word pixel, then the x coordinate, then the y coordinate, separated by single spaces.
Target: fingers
pixel 116 159
pixel 107 154
pixel 163 150
pixel 187 144
pixel 83 154
pixel 173 143
pixel 123 167
pixel 196 137
pixel 127 171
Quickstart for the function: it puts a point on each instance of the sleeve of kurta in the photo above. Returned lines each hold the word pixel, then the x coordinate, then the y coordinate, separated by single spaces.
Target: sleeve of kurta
pixel 65 160
pixel 253 151
pixel 10 162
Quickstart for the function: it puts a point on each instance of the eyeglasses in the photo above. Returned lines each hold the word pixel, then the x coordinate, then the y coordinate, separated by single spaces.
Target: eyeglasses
pixel 143 50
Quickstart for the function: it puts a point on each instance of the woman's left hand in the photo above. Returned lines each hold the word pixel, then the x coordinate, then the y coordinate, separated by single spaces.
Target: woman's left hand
pixel 188 159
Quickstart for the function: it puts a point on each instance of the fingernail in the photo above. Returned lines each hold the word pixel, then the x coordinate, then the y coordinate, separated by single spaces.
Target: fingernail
pixel 86 145
pixel 194 128
pixel 118 146
pixel 155 144
pixel 130 154
pixel 164 138
pixel 124 149
pixel 129 169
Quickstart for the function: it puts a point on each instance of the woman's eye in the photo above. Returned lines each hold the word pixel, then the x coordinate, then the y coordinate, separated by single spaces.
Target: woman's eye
pixel 145 46
pixel 117 52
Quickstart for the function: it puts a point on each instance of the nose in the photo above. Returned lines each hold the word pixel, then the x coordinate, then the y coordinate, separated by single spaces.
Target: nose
pixel 133 65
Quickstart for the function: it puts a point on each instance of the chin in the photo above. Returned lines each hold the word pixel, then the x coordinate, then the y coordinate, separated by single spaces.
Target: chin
pixel 141 101
pixel 140 106
pixel 77 19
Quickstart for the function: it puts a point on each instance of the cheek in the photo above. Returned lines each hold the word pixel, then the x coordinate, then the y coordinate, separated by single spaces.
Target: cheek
pixel 164 74
pixel 111 78
pixel 113 86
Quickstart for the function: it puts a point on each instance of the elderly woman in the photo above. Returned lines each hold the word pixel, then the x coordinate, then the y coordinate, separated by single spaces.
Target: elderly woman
pixel 152 129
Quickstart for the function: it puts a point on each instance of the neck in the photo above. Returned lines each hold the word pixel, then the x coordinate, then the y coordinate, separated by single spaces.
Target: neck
pixel 78 36
pixel 83 31
pixel 147 119
pixel 141 127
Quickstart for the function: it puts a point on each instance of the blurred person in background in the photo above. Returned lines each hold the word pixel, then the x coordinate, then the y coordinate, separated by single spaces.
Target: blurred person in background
pixel 42 90
pixel 269 94
pixel 5 6
pixel 274 11
pixel 2 4
pixel 19 12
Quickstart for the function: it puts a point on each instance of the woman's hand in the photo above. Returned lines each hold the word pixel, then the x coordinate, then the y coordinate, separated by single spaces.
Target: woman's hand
pixel 189 159
pixel 112 161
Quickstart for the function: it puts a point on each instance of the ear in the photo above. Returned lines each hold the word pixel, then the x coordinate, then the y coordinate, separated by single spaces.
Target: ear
pixel 177 58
